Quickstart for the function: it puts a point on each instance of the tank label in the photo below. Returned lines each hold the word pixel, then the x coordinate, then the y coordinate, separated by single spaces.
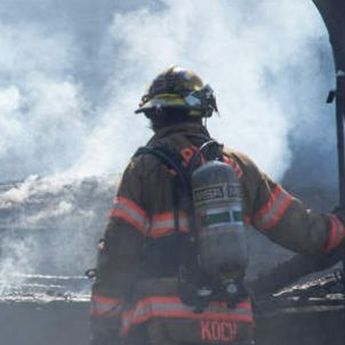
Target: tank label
pixel 209 193
pixel 217 192
pixel 234 191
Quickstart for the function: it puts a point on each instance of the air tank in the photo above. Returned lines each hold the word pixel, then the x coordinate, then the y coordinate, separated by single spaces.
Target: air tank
pixel 220 229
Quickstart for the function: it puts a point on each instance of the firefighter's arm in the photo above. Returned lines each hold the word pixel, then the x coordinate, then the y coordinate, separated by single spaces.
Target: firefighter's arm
pixel 118 260
pixel 283 218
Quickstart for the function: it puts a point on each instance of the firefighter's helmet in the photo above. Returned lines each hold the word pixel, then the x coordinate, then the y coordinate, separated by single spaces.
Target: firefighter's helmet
pixel 177 87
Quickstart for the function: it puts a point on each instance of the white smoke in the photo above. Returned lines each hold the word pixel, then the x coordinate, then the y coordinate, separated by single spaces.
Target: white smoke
pixel 52 224
pixel 245 50
pixel 261 57
pixel 41 105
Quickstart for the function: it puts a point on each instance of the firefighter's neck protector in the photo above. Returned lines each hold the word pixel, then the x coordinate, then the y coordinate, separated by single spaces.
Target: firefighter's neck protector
pixel 181 89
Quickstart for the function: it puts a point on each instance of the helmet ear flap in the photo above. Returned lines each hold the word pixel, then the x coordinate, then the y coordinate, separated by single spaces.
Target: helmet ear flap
pixel 212 106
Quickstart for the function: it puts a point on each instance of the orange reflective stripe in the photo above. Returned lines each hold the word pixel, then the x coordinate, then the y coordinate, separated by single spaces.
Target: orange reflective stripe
pixel 234 165
pixel 130 204
pixel 104 300
pixel 104 306
pixel 130 212
pixel 187 153
pixel 172 307
pixel 273 211
pixel 245 305
pixel 336 233
pixel 164 223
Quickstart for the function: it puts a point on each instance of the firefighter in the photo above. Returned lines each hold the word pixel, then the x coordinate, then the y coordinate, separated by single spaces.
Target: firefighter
pixel 136 297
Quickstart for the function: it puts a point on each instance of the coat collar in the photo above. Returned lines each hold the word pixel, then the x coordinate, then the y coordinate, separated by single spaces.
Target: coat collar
pixel 189 129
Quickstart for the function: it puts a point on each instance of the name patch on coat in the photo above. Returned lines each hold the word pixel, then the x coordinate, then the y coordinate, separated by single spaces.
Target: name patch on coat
pixel 223 331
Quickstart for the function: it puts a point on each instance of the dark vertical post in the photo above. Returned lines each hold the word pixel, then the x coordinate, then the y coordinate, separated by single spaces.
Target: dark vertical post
pixel 340 116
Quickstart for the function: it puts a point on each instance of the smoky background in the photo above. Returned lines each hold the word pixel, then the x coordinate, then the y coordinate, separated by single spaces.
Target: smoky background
pixel 73 72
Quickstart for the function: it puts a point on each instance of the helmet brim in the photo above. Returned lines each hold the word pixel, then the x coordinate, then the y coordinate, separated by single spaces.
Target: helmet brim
pixel 162 101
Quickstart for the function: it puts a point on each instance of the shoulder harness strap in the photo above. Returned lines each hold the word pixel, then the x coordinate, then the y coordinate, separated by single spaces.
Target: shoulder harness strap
pixel 167 157
pixel 174 160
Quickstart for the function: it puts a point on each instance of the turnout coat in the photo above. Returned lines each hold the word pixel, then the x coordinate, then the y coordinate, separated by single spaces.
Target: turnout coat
pixel 131 297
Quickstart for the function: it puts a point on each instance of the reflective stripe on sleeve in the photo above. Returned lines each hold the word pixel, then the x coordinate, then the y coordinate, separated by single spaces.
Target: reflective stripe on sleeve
pixel 164 223
pixel 234 165
pixel 104 306
pixel 336 233
pixel 130 212
pixel 273 211
pixel 172 307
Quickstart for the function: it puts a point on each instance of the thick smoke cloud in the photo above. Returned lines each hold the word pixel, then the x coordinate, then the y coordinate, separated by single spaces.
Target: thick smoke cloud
pixel 72 73
pixel 41 105
pixel 261 58
pixel 51 226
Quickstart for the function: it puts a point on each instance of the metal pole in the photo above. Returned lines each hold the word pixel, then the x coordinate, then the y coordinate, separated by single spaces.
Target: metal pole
pixel 340 116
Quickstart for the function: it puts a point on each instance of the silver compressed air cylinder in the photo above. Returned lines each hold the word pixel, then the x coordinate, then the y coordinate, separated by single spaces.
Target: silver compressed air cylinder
pixel 220 229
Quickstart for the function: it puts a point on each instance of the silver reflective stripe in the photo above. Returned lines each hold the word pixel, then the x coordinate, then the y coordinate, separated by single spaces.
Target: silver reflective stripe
pixel 104 308
pixel 154 308
pixel 138 218
pixel 168 223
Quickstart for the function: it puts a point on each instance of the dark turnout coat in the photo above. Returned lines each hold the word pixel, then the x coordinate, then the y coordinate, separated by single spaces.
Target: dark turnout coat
pixel 129 295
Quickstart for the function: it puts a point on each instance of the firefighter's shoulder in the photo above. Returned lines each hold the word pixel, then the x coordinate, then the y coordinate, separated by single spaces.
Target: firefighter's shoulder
pixel 243 162
pixel 142 164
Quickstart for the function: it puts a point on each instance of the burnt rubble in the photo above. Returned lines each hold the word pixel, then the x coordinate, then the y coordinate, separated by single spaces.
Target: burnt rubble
pixel 49 231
